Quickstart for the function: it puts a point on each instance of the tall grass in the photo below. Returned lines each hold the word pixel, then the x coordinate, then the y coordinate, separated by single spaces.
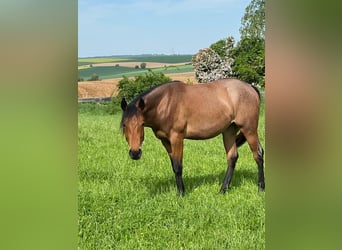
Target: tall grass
pixel 126 204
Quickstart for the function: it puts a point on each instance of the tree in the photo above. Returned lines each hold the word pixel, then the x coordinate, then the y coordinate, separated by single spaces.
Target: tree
pixel 143 65
pixel 246 60
pixel 220 47
pixel 253 21
pixel 223 46
pixel 249 60
pixel 94 77
pixel 249 54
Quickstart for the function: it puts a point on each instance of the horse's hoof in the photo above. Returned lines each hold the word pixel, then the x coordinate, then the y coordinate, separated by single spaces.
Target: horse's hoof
pixel 181 194
pixel 261 188
pixel 223 191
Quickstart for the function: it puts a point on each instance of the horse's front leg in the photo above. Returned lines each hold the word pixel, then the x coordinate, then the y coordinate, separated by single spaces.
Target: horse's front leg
pixel 174 148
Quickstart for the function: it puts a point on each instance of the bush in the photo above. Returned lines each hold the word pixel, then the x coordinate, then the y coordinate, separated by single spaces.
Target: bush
pixel 94 77
pixel 209 66
pixel 130 88
pixel 143 65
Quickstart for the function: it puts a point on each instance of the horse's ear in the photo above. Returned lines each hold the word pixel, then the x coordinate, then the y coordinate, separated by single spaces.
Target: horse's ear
pixel 141 104
pixel 123 104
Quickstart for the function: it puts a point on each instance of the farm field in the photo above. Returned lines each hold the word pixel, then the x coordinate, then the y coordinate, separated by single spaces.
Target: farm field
pixel 111 70
pixel 114 67
pixel 126 204
pixel 107 87
pixel 108 72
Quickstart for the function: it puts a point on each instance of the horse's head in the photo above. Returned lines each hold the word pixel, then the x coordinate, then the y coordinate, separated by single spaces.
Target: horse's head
pixel 132 125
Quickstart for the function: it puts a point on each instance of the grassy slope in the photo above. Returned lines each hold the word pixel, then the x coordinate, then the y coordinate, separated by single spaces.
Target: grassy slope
pixel 127 204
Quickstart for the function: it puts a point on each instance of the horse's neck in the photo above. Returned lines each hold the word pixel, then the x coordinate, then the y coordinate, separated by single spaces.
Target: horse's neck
pixel 152 101
pixel 153 98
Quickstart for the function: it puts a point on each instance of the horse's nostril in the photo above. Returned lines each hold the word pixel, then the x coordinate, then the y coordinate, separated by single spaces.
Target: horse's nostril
pixel 135 154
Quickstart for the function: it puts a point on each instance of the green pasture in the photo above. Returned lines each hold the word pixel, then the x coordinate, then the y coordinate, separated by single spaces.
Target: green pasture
pixel 108 72
pixel 101 60
pixel 139 58
pixel 126 204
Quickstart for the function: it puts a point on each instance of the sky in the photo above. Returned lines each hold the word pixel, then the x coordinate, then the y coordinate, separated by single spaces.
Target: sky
pixel 135 27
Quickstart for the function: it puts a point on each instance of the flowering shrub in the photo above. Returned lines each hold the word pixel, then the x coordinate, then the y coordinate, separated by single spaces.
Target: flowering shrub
pixel 209 66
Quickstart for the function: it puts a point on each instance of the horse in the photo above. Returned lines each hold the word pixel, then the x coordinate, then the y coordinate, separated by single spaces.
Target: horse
pixel 176 111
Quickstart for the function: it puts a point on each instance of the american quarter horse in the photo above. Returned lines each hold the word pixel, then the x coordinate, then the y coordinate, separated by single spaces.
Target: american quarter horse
pixel 176 111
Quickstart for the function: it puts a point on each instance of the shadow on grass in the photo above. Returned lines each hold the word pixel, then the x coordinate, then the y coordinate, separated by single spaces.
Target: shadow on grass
pixel 168 184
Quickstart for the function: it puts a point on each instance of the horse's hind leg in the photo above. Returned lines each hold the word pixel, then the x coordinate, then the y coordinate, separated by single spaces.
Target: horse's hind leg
pixel 258 154
pixel 229 137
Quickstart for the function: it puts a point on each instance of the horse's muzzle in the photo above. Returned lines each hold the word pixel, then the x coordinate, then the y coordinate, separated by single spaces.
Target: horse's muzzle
pixel 135 154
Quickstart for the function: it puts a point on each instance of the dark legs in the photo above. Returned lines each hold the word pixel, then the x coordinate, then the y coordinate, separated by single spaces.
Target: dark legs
pixel 231 153
pixel 177 169
pixel 258 154
pixel 260 161
pixel 174 147
pixel 229 174
pixel 175 151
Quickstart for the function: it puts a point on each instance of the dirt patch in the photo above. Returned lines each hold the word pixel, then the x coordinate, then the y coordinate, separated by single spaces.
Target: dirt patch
pixel 104 88
pixel 108 87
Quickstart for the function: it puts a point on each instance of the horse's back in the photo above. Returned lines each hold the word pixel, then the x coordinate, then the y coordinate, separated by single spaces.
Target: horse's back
pixel 239 90
pixel 224 92
pixel 208 109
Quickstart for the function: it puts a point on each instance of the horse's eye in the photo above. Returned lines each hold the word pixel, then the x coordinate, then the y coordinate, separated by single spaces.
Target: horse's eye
pixel 124 125
pixel 143 124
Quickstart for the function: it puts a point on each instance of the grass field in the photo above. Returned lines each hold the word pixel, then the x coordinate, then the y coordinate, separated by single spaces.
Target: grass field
pixel 108 72
pixel 126 204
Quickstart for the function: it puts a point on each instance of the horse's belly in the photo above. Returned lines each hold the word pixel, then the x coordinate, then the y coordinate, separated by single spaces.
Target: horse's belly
pixel 201 133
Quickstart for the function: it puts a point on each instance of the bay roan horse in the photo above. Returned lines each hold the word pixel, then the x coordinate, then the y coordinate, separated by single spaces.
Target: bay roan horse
pixel 176 111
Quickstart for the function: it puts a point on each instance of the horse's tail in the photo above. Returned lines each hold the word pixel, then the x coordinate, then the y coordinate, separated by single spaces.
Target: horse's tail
pixel 256 89
pixel 240 139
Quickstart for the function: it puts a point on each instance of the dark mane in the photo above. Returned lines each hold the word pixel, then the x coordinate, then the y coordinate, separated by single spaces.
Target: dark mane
pixel 132 107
